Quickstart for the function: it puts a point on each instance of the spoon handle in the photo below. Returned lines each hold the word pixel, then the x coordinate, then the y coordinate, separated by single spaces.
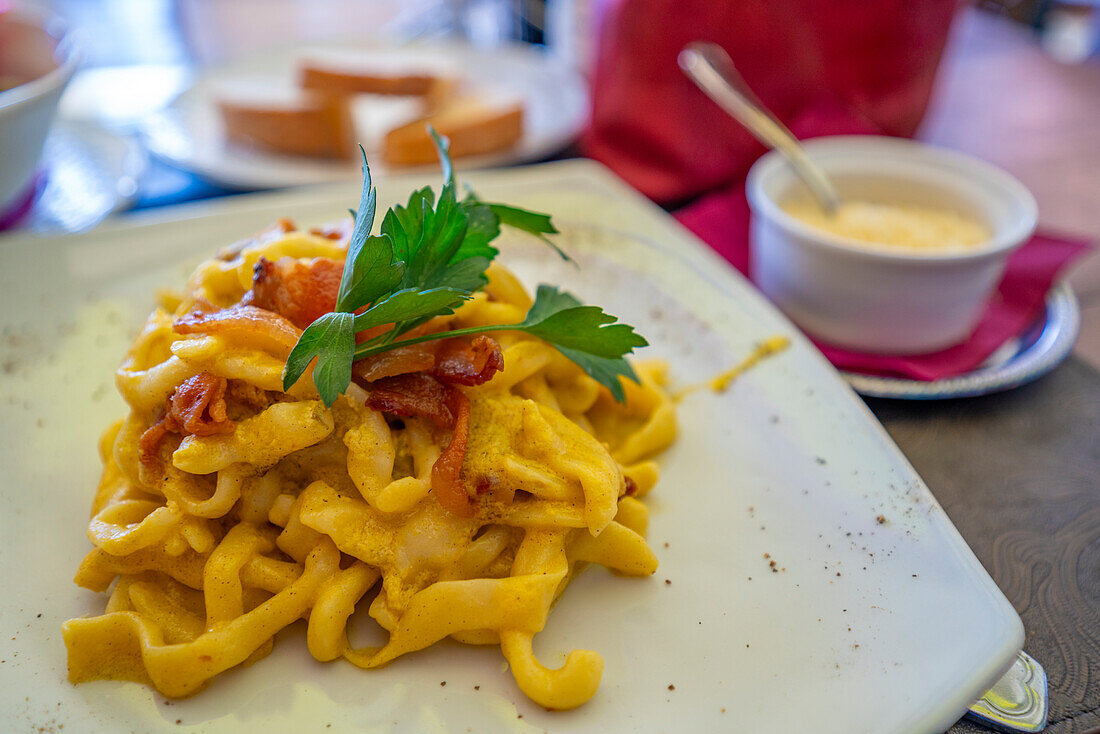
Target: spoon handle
pixel 712 70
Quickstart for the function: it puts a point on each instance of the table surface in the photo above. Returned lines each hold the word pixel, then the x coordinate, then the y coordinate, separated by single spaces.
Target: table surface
pixel 1017 472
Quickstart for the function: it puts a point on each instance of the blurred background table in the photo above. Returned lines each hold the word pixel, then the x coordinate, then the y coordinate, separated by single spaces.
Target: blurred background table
pixel 1016 472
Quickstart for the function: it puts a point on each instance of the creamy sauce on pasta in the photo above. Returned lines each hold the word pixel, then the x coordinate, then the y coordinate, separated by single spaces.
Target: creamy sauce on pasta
pixel 894 225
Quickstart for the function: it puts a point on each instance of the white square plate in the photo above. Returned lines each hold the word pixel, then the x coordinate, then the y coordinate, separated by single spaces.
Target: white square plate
pixel 864 626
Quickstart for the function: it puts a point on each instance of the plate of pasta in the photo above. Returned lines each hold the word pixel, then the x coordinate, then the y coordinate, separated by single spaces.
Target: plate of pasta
pixel 363 478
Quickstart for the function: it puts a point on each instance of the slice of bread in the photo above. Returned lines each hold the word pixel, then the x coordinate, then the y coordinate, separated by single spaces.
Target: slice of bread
pixel 342 79
pixel 374 115
pixel 474 126
pixel 301 123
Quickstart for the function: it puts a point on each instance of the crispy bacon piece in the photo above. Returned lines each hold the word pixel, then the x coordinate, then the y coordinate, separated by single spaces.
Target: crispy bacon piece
pixel 196 407
pixel 272 232
pixel 267 327
pixel 338 230
pixel 149 444
pixel 247 395
pixel 414 394
pixel 631 486
pixel 420 394
pixel 447 469
pixel 463 362
pixel 300 291
pixel 453 361
pixel 400 361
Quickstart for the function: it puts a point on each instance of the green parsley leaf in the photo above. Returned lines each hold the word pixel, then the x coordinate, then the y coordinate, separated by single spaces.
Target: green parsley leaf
pixel 411 304
pixel 369 270
pixel 331 340
pixel 425 235
pixel 528 221
pixel 444 239
pixel 558 317
pixel 531 222
pixel 373 274
pixel 482 227
pixel 443 150
pixel 467 275
pixel 585 334
pixel 405 224
pixel 548 301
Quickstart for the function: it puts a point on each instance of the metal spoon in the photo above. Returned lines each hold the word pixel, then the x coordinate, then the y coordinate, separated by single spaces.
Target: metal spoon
pixel 712 70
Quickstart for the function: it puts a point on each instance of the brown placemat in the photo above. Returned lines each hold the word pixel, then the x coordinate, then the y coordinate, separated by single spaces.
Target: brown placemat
pixel 1019 475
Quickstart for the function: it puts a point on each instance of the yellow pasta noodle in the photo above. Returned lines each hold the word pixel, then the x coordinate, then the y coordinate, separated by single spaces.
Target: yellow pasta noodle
pixel 211 541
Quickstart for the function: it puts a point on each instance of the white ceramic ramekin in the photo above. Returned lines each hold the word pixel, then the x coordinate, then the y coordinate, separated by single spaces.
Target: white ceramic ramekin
pixel 881 299
pixel 34 45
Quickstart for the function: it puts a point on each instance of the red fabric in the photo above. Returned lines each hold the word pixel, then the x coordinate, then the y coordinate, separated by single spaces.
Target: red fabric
pixel 828 67
pixel 722 220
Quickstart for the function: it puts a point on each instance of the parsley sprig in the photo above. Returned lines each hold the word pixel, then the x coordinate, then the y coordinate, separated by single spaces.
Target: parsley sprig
pixel 429 258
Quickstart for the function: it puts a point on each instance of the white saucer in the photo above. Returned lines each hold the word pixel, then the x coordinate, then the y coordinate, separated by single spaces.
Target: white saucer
pixel 1018 361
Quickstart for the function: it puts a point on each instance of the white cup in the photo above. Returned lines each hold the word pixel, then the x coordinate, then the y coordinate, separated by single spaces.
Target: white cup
pixel 34 47
pixel 883 299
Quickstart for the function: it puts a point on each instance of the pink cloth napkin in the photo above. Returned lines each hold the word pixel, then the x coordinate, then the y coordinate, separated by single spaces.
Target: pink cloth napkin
pixel 722 220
